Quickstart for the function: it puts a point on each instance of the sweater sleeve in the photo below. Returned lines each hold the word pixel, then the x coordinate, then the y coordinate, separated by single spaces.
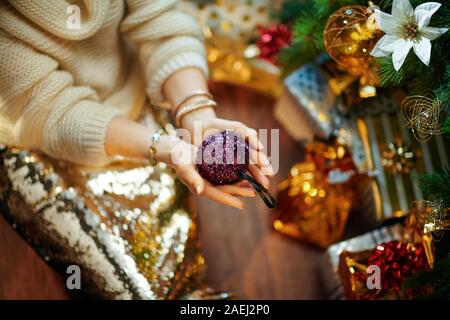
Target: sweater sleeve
pixel 41 108
pixel 168 41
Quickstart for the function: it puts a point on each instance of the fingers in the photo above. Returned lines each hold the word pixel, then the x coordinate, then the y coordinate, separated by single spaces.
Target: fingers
pixel 243 184
pixel 252 137
pixel 222 197
pixel 190 177
pixel 221 194
pixel 257 156
pixel 260 159
pixel 182 156
pixel 237 190
pixel 240 129
pixel 258 175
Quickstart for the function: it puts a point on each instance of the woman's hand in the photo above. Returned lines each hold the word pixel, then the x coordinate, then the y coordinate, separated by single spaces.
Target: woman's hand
pixel 208 123
pixel 180 155
pixel 131 139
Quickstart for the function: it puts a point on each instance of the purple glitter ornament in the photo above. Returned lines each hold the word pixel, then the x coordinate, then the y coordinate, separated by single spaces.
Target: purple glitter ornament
pixel 222 156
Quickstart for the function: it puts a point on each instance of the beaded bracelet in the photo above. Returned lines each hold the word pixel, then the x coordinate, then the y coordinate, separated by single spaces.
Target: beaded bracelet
pixel 191 95
pixel 200 104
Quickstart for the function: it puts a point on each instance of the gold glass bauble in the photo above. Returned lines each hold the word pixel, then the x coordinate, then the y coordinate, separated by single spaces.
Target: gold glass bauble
pixel 349 36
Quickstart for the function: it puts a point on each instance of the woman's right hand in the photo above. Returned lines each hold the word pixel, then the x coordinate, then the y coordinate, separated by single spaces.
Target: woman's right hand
pixel 180 155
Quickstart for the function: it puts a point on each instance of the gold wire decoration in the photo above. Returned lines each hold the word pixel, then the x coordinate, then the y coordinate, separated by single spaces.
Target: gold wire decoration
pixel 426 223
pixel 431 217
pixel 424 115
pixel 398 158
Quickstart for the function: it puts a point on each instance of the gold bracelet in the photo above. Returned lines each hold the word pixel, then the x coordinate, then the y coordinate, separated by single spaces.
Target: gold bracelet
pixel 193 94
pixel 155 138
pixel 184 110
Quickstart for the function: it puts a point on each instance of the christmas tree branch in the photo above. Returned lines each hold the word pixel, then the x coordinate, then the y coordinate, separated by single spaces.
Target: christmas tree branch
pixel 437 184
pixel 437 279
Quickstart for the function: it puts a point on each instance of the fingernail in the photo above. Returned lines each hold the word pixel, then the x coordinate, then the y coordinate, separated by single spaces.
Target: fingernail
pixel 260 145
pixel 198 188
pixel 269 171
pixel 238 205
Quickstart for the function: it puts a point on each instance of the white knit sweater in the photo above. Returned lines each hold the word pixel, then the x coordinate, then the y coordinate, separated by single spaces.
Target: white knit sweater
pixel 60 87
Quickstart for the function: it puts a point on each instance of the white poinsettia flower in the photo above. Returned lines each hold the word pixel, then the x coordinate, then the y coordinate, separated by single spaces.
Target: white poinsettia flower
pixel 406 28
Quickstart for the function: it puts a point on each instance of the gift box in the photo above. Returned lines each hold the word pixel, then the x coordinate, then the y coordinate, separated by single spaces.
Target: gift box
pixel 364 242
pixel 392 249
pixel 305 106
pixel 393 156
pixel 396 261
pixel 236 19
pixel 229 28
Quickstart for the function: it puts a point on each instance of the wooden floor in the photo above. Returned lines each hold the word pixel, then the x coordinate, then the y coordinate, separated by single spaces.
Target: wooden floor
pixel 243 253
pixel 23 274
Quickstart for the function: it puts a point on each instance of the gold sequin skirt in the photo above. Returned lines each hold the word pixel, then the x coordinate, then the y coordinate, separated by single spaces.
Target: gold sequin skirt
pixel 129 226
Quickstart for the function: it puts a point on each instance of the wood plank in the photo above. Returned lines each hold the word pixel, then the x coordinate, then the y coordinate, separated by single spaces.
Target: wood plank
pixel 23 274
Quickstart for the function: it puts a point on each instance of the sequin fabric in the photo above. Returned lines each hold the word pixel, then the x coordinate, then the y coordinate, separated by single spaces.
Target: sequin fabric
pixel 128 226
